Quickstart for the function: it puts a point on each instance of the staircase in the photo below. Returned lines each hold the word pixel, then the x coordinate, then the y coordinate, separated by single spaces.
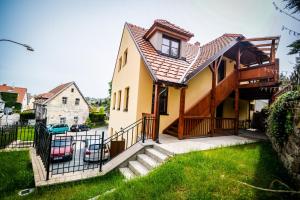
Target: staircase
pixel 202 107
pixel 144 162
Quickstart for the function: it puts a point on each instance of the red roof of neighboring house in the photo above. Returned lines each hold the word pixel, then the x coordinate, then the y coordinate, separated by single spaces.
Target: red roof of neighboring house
pixel 44 96
pixel 19 90
pixel 169 69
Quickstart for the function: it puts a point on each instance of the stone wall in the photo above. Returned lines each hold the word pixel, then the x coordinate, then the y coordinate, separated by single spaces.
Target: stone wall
pixel 289 153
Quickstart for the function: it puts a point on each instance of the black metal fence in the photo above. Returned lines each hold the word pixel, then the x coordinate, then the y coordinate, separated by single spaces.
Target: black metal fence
pixel 16 136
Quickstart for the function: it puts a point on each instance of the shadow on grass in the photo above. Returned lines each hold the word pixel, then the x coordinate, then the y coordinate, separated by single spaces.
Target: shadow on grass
pixel 269 169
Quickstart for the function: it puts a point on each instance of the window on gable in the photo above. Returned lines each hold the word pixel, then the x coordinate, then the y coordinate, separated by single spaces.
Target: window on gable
pixel 125 57
pixel 163 100
pixel 126 99
pixel 77 100
pixel 64 100
pixel 170 46
pixel 120 63
pixel 72 90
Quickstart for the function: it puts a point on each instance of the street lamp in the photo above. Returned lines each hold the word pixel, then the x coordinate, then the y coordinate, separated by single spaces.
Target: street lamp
pixel 29 48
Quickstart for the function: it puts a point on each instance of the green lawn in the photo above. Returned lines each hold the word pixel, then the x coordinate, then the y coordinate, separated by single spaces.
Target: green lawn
pixel 198 175
pixel 26 133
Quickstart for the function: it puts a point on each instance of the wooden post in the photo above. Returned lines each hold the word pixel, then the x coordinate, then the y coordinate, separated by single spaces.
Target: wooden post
pixel 181 114
pixel 272 56
pixel 236 96
pixel 213 98
pixel 156 112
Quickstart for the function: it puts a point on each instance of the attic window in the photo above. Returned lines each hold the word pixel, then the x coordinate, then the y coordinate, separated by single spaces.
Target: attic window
pixel 72 90
pixel 170 46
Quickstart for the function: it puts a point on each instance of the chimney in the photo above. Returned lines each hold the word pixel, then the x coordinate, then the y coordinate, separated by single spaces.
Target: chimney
pixel 4 84
pixel 197 43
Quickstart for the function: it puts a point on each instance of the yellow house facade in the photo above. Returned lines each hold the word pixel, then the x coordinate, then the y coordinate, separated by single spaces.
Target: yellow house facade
pixel 187 88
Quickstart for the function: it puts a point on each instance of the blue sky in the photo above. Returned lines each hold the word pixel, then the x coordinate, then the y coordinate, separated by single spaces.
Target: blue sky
pixel 78 40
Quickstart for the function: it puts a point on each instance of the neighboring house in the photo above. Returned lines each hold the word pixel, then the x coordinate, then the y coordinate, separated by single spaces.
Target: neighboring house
pixel 193 90
pixel 2 105
pixel 22 94
pixel 64 104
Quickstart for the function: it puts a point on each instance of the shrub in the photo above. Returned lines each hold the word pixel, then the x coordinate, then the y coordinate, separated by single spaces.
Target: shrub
pixel 26 115
pixel 280 120
pixel 96 117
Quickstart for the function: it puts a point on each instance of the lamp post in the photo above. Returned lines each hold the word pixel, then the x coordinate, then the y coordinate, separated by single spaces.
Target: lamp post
pixel 29 48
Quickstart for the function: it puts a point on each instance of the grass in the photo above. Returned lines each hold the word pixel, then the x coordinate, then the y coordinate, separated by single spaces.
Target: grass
pixel 198 175
pixel 26 133
pixel 15 172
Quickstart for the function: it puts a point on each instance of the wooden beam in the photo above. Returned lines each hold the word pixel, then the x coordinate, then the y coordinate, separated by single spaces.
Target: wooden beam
pixel 213 99
pixel 156 112
pixel 181 114
pixel 236 91
pixel 260 39
pixel 272 54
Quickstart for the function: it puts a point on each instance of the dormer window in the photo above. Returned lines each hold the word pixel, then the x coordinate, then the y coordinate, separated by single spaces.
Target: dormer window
pixel 170 46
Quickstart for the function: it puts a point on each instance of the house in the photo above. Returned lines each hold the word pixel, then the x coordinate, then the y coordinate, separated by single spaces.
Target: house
pixel 64 104
pixel 20 91
pixel 190 89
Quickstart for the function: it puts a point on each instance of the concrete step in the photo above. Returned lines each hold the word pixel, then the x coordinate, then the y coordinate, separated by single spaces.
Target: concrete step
pixel 147 161
pixel 127 173
pixel 156 154
pixel 163 150
pixel 138 168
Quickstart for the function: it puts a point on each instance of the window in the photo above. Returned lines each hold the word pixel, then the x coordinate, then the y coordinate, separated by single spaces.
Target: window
pixel 64 100
pixel 120 63
pixel 222 71
pixel 119 99
pixel 125 57
pixel 170 46
pixel 126 98
pixel 114 101
pixel 72 90
pixel 163 100
pixel 62 120
pixel 77 100
pixel 76 119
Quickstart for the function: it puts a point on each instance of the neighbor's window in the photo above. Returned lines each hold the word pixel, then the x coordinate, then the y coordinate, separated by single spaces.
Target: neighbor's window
pixel 119 99
pixel 77 100
pixel 72 90
pixel 114 101
pixel 126 99
pixel 64 100
pixel 62 120
pixel 125 57
pixel 76 119
pixel 120 63
pixel 163 100
pixel 170 46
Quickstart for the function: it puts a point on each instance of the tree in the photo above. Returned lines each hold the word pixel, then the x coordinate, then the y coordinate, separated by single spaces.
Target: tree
pixel 295 76
pixel 294 5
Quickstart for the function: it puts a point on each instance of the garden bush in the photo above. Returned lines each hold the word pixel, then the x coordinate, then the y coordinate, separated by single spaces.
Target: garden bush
pixel 26 115
pixel 97 117
pixel 280 119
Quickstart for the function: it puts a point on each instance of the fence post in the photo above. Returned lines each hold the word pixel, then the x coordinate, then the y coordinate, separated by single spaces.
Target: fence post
pixel 144 129
pixel 49 154
pixel 101 151
pixel 16 136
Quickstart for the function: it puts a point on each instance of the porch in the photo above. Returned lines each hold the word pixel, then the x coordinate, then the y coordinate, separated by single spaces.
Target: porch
pixel 175 146
pixel 255 75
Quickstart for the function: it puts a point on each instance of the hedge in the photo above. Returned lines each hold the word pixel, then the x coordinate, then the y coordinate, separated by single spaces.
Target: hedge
pixel 280 119
pixel 26 115
pixel 96 117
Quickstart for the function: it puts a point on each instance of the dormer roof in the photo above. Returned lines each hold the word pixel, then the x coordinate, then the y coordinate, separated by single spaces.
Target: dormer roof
pixel 167 27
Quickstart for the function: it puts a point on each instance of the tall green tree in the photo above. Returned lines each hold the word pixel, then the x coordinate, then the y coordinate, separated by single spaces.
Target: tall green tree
pixel 294 6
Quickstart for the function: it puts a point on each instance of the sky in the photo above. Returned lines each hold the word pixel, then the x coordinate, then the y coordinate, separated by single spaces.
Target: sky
pixel 78 40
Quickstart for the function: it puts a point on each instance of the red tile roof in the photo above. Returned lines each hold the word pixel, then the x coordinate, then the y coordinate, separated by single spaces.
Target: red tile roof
pixel 169 69
pixel 19 90
pixel 45 96
pixel 172 27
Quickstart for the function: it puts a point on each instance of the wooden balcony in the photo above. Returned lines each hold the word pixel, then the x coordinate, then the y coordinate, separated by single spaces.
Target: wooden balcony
pixel 259 76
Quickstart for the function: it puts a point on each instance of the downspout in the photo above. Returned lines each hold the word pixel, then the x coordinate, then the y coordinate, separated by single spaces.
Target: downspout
pixel 190 66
